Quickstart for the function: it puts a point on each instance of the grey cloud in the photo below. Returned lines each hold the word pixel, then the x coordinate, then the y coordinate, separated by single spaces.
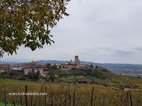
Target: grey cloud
pixel 97 30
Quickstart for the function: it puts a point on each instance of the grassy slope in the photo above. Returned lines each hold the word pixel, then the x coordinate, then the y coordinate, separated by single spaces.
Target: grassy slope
pixel 2 104
pixel 102 77
pixel 11 85
pixel 83 91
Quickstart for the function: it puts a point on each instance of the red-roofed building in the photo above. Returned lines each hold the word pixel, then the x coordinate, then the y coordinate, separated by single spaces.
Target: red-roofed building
pixel 29 67
pixel 4 67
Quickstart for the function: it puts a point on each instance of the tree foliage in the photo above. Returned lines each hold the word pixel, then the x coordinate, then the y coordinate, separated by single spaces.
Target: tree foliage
pixel 28 23
pixel 34 75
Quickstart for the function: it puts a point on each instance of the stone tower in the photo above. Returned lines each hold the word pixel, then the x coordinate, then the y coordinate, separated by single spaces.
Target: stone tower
pixel 76 60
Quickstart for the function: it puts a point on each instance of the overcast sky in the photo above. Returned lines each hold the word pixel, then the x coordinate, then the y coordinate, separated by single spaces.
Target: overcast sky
pixel 105 31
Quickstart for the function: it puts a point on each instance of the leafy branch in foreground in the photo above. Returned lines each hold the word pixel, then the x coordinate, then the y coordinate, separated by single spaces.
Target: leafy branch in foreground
pixel 28 23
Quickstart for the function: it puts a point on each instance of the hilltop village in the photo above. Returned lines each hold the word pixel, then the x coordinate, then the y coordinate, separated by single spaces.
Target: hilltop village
pixel 68 72
pixel 42 69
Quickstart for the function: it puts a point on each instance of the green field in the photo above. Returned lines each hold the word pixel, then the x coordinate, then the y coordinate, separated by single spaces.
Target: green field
pixel 66 94
pixel 3 104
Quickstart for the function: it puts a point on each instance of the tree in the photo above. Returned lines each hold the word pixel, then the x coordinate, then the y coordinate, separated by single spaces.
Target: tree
pixel 37 75
pixel 1 53
pixel 48 65
pixel 28 23
pixel 54 67
pixel 52 75
pixel 33 75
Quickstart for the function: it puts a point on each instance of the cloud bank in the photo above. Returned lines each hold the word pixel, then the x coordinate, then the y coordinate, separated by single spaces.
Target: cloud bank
pixel 104 31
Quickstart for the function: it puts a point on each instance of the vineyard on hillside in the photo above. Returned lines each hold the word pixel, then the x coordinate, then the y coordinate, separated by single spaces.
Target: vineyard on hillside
pixel 64 94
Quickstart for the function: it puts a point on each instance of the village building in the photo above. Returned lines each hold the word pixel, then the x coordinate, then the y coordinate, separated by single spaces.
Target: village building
pixel 76 60
pixel 36 68
pixel 4 68
pixel 83 67
pixel 68 66
pixel 17 67
pixel 74 65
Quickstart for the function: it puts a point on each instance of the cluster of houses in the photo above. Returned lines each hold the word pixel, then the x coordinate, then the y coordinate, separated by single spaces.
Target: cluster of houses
pixel 35 67
pixel 25 68
pixel 42 69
